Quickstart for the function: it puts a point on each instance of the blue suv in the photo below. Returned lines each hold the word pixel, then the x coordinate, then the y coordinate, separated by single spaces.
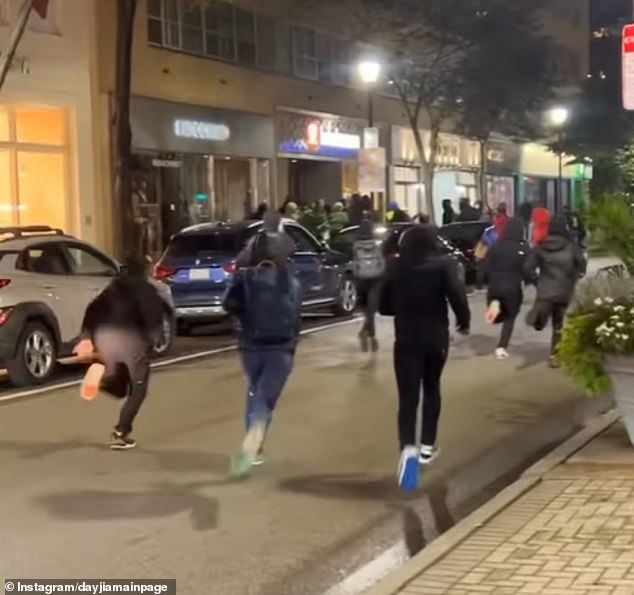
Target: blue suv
pixel 199 261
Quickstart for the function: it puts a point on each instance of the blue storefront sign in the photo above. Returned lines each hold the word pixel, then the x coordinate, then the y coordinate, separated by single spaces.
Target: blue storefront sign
pixel 325 137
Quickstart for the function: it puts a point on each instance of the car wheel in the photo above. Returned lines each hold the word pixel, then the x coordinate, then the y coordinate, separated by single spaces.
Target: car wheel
pixel 36 356
pixel 165 341
pixel 348 298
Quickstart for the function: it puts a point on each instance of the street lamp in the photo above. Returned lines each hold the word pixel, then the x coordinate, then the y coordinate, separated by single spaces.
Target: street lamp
pixel 369 73
pixel 558 116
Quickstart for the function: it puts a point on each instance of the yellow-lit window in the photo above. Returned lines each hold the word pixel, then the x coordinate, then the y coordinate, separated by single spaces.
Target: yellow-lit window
pixel 41 189
pixel 40 125
pixel 5 129
pixel 7 206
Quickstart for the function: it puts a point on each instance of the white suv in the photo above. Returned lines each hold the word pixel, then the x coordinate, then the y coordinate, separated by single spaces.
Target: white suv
pixel 47 279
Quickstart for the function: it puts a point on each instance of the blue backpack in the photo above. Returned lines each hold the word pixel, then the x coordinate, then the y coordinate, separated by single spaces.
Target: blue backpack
pixel 272 303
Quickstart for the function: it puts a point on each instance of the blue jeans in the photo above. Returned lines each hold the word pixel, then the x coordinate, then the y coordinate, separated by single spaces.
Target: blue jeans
pixel 267 372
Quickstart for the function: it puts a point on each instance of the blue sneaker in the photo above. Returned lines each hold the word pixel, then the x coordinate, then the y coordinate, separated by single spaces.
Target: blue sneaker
pixel 408 469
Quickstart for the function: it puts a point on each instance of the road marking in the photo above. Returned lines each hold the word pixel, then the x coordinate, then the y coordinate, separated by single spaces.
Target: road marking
pixel 167 362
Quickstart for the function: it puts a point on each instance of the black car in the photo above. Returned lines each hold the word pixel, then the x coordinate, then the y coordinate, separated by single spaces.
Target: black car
pixel 389 235
pixel 465 237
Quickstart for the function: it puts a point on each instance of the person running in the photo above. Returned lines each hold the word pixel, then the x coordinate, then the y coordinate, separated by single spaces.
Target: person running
pixel 555 267
pixel 487 241
pixel 416 291
pixel 369 267
pixel 122 324
pixel 540 220
pixel 264 296
pixel 504 269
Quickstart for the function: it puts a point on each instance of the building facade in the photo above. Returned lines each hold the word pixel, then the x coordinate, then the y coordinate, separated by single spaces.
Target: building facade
pixel 48 147
pixel 233 106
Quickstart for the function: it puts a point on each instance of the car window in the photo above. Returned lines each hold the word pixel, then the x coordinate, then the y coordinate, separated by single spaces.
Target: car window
pixel 217 242
pixel 45 260
pixel 88 262
pixel 303 242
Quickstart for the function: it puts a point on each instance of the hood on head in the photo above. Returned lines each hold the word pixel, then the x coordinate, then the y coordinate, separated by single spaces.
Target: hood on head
pixel 559 227
pixel 499 222
pixel 446 205
pixel 366 229
pixel 393 206
pixel 272 221
pixel 418 242
pixel 540 216
pixel 514 230
pixel 135 265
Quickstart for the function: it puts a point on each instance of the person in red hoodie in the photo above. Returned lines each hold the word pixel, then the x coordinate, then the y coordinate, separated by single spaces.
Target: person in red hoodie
pixel 540 220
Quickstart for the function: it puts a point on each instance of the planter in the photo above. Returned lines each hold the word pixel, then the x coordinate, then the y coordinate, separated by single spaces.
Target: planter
pixel 621 372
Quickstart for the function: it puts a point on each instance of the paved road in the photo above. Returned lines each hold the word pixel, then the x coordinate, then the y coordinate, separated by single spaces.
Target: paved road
pixel 324 504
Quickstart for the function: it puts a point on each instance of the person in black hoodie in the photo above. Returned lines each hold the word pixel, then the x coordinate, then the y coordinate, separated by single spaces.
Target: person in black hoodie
pixel 503 266
pixel 417 288
pixel 555 267
pixel 121 325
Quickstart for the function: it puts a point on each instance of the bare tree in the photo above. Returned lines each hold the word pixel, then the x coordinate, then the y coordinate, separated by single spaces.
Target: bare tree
pixel 439 55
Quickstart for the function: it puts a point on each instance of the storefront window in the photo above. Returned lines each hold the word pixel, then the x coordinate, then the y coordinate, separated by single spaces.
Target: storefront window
pixel 41 183
pixel 5 133
pixel 7 208
pixel 41 126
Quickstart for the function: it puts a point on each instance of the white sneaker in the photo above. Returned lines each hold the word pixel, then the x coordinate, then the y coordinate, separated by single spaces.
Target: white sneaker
pixel 427 454
pixel 501 353
pixel 493 311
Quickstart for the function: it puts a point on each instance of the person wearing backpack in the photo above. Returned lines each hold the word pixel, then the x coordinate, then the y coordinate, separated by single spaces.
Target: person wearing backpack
pixel 264 296
pixel 369 268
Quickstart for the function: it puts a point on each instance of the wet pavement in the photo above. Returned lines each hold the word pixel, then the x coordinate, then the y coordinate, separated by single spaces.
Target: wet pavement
pixel 324 504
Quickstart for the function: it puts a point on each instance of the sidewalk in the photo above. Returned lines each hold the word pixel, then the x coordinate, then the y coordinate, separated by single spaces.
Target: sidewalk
pixel 571 533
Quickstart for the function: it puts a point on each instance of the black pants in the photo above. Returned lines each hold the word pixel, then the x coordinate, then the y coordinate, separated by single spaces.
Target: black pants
pixel 558 314
pixel 415 370
pixel 125 356
pixel 372 291
pixel 542 311
pixel 507 331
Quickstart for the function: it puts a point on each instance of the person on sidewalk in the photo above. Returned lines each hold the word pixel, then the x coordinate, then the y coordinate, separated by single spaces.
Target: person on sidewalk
pixel 265 298
pixel 369 268
pixel 122 324
pixel 504 268
pixel 487 241
pixel 555 267
pixel 417 288
pixel 540 220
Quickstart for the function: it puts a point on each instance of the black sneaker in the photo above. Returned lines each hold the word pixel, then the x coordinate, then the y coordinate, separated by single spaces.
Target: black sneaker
pixel 119 441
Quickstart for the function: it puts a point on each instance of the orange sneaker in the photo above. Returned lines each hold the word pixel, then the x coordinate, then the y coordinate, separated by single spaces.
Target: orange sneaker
pixel 493 312
pixel 92 381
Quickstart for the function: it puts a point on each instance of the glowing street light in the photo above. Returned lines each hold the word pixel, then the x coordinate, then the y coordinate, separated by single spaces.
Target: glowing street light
pixel 369 71
pixel 558 116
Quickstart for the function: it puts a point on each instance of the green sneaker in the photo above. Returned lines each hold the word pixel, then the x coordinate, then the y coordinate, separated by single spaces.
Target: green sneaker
pixel 242 463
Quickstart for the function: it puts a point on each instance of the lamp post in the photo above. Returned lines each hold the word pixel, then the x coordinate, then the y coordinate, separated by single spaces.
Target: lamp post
pixel 369 73
pixel 558 116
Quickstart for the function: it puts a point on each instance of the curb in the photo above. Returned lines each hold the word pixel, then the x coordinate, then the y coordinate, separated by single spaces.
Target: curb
pixel 440 547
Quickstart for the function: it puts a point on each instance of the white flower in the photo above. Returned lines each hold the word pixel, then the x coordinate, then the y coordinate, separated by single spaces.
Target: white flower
pixel 619 308
pixel 599 302
pixel 624 337
pixel 608 300
pixel 620 324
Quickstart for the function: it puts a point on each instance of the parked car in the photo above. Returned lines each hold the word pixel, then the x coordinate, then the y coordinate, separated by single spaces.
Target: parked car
pixel 47 279
pixel 199 261
pixel 389 236
pixel 465 237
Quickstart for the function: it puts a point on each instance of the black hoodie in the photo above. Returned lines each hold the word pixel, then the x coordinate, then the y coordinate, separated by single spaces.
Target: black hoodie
pixel 557 264
pixel 130 302
pixel 504 263
pixel 418 286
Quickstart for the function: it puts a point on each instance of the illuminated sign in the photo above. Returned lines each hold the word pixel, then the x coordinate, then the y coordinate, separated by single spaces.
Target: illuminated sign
pixel 317 135
pixel 495 156
pixel 201 130
pixel 313 135
pixel 627 65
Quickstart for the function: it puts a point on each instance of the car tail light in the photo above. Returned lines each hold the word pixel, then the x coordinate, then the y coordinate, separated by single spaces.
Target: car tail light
pixel 163 272
pixel 230 267
pixel 4 315
pixel 4 283
pixel 394 255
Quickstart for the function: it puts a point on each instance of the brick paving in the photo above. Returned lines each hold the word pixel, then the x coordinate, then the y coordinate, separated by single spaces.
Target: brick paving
pixel 565 537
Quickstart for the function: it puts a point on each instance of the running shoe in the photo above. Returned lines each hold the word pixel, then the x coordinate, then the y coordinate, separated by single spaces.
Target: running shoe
pixel 427 454
pixel 242 462
pixel 408 469
pixel 493 312
pixel 501 353
pixel 120 441
pixel 91 383
pixel 259 459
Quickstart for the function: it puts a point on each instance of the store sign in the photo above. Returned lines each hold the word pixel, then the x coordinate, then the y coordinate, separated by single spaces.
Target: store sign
pixel 166 163
pixel 318 135
pixel 495 156
pixel 627 65
pixel 313 135
pixel 371 138
pixel 198 130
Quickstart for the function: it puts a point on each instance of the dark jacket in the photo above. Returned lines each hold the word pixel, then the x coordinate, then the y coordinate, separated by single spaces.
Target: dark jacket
pixel 272 243
pixel 130 302
pixel 417 290
pixel 504 267
pixel 556 265
pixel 448 214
